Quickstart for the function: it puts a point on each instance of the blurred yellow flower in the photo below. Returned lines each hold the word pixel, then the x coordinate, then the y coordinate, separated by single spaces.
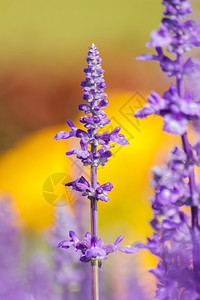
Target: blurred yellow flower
pixel 34 171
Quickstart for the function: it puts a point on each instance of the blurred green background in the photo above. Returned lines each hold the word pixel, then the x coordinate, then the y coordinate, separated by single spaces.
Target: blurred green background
pixel 43 51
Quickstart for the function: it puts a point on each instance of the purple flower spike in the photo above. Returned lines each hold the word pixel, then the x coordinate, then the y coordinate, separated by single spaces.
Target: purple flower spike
pixel 176 240
pixel 94 151
pixel 94 85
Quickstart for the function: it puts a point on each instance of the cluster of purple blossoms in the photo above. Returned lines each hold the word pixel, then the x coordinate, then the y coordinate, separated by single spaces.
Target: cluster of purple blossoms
pixel 176 240
pixel 177 36
pixel 94 151
pixel 93 248
pixel 82 185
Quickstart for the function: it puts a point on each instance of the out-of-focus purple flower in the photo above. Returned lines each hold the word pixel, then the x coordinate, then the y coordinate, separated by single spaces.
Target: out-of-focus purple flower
pixel 176 111
pixel 39 275
pixel 170 187
pixel 93 248
pixel 174 271
pixel 173 238
pixel 172 67
pixel 160 38
pixel 182 163
pixel 176 238
pixel 68 274
pixel 12 284
pixel 177 7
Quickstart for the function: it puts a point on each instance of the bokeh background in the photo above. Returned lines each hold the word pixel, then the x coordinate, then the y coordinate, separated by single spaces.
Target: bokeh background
pixel 43 49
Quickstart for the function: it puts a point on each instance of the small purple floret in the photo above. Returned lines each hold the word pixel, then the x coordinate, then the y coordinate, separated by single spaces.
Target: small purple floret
pixel 83 186
pixel 93 248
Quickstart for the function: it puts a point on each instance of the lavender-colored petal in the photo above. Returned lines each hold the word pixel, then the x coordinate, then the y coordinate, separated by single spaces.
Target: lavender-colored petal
pixel 84 107
pixel 81 134
pixel 103 103
pixel 100 243
pixel 157 103
pixel 71 124
pixel 73 236
pixel 175 124
pixel 79 152
pixel 103 197
pixel 95 252
pixel 119 239
pixel 65 244
pixel 110 248
pixel 146 56
pixel 88 235
pixel 62 135
pixel 128 249
pixel 107 186
pixel 116 137
pixel 179 153
pixel 72 151
pixel 160 38
pixel 190 66
pixel 144 112
pixel 81 184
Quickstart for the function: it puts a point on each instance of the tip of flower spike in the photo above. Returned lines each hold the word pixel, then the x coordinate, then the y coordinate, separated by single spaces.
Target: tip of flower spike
pixel 92 47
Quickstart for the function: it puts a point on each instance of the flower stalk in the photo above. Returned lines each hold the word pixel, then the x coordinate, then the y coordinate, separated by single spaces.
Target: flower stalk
pixel 187 147
pixel 94 231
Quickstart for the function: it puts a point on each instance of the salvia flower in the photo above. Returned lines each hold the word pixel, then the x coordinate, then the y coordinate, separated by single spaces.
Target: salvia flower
pixel 176 237
pixel 94 151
